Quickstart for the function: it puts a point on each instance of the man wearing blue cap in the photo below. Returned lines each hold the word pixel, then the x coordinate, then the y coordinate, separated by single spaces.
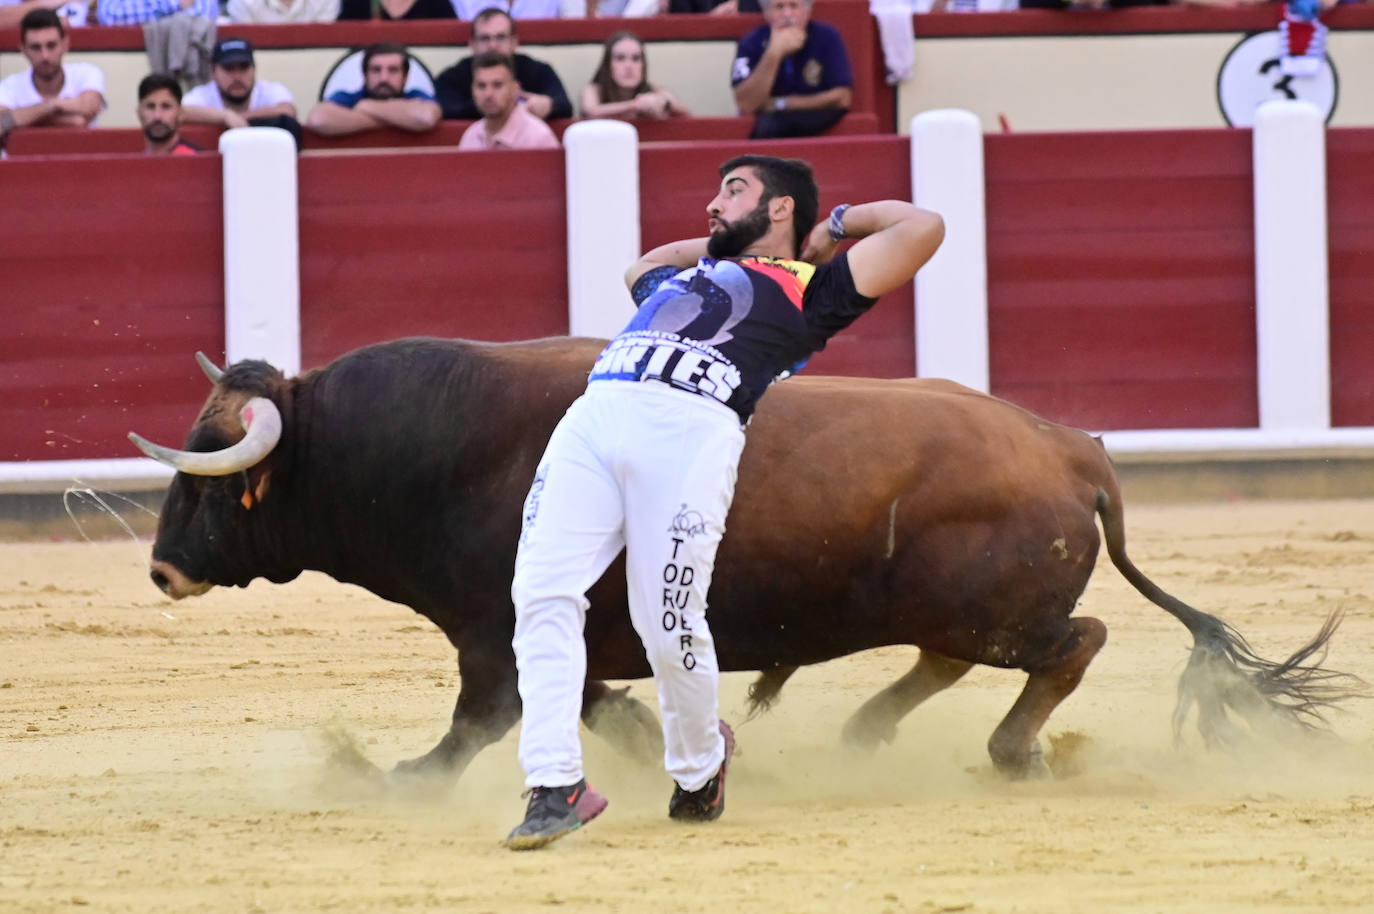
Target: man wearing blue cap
pixel 235 97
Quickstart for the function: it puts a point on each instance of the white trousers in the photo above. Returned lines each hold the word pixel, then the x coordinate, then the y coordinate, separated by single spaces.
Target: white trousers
pixel 639 466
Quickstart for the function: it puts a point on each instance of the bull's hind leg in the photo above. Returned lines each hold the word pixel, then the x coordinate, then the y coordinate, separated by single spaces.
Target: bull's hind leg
pixel 1014 748
pixel 877 719
pixel 624 722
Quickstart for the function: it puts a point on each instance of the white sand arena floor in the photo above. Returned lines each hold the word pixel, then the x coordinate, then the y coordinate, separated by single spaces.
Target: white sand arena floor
pixel 159 756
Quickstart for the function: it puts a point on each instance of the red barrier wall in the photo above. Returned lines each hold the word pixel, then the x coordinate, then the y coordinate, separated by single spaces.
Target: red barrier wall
pixel 1121 277
pixel 1121 297
pixel 112 278
pixel 677 180
pixel 1350 215
pixel 470 244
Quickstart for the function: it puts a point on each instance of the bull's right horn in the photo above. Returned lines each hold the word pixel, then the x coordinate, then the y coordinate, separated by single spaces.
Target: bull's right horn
pixel 212 371
pixel 262 424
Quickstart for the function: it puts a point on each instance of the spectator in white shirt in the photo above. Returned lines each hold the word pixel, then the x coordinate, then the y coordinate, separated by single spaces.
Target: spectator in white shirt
pixel 278 11
pixel 235 97
pixel 49 93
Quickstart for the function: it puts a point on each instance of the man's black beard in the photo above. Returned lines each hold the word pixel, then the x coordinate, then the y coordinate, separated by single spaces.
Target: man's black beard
pixel 731 240
pixel 235 100
pixel 158 132
pixel 382 91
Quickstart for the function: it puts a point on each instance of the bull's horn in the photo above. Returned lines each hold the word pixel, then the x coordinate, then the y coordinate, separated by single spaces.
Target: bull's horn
pixel 212 371
pixel 262 422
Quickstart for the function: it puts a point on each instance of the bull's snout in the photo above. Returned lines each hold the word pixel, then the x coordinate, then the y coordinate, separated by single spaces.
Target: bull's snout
pixel 173 583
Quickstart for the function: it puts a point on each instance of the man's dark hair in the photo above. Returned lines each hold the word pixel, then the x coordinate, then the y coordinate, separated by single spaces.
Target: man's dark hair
pixel 154 81
pixel 40 19
pixel 492 12
pixel 492 59
pixel 784 178
pixel 383 48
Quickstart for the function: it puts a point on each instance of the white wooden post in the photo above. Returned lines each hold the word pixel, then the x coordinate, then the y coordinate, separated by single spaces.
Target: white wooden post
pixel 1292 322
pixel 952 290
pixel 262 288
pixel 602 162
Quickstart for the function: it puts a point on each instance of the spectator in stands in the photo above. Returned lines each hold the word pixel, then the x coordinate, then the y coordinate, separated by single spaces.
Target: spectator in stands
pixel 505 123
pixel 494 30
pixel 1118 4
pixel 12 12
pixel 714 7
pixel 137 12
pixel 613 9
pixel 792 73
pixel 49 93
pixel 159 114
pixel 620 88
pixel 383 100
pixel 236 97
pixel 396 9
pixel 277 11
pixel 468 10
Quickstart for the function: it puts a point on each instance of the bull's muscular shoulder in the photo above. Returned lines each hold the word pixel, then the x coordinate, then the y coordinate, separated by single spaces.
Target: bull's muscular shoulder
pixel 421 356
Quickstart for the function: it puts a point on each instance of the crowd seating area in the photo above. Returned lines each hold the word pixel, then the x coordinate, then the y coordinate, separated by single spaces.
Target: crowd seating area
pixel 689 54
pixel 114 140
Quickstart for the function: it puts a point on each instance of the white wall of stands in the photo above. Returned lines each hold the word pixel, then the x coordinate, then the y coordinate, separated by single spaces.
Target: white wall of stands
pixel 262 288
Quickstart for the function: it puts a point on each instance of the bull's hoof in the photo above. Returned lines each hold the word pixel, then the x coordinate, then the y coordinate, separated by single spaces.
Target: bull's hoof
pixel 1021 765
pixel 422 771
pixel 865 735
pixel 629 726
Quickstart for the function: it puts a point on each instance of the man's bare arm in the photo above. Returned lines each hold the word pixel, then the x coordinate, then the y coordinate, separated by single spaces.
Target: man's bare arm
pixel 281 108
pixel 329 119
pixel 203 114
pixel 32 115
pixel 895 240
pixel 86 105
pixel 677 254
pixel 536 104
pixel 414 114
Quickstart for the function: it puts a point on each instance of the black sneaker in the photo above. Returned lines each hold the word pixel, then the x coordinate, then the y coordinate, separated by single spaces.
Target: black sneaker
pixel 553 812
pixel 706 804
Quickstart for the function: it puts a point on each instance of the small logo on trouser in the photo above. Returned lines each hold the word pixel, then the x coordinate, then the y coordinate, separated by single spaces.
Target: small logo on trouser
pixel 688 523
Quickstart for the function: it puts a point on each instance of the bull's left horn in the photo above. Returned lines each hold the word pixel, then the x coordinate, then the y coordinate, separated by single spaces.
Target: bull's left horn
pixel 262 423
pixel 212 371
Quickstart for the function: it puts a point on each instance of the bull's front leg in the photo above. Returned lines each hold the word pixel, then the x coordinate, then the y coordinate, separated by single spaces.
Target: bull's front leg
pixel 488 706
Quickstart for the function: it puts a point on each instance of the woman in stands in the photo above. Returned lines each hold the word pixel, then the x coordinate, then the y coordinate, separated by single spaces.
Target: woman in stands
pixel 620 88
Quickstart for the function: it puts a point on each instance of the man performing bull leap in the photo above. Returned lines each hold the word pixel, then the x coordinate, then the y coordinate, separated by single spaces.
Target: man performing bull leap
pixel 646 460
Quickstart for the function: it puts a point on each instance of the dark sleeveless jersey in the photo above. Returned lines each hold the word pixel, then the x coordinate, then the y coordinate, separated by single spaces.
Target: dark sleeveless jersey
pixel 726 329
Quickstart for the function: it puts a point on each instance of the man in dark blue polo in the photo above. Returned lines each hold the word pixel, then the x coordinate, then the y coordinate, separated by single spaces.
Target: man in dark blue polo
pixel 383 101
pixel 792 73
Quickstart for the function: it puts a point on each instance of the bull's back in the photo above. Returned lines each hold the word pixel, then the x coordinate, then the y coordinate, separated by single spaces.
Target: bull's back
pixel 857 498
pixel 879 438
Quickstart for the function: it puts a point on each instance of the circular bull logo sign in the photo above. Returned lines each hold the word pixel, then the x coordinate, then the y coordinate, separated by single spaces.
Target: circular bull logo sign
pixel 1252 74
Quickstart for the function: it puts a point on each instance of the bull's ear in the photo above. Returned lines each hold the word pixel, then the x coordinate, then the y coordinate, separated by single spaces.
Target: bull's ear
pixel 255 484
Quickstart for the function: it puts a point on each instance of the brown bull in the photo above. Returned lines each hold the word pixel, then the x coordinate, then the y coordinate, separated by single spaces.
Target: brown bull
pixel 867 513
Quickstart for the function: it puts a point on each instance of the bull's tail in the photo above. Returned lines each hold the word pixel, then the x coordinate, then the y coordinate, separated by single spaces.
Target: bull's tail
pixel 1224 674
